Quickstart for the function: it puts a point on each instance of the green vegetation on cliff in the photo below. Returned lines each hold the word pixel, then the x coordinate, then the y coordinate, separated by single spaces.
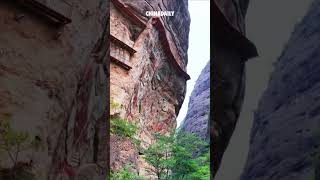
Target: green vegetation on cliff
pixel 12 144
pixel 123 127
pixel 179 156
pixel 126 174
pixel 176 157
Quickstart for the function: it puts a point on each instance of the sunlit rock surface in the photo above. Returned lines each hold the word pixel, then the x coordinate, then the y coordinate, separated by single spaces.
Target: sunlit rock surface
pixel 148 73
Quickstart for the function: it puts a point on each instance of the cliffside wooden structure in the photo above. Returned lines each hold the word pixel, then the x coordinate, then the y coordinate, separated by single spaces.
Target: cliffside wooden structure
pixel 117 46
pixel 124 63
pixel 57 15
pixel 165 37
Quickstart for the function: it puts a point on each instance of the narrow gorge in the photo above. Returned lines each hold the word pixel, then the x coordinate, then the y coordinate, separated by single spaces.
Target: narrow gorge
pixel 284 138
pixel 284 141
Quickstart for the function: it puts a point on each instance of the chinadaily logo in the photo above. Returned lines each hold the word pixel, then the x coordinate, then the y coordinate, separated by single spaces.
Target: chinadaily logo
pixel 160 13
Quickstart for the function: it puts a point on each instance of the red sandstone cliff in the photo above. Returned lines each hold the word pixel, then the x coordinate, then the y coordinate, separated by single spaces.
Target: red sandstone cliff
pixel 148 72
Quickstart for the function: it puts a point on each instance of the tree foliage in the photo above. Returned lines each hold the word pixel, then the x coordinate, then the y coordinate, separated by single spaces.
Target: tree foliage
pixel 114 104
pixel 13 143
pixel 173 157
pixel 180 156
pixel 123 127
pixel 159 155
pixel 126 174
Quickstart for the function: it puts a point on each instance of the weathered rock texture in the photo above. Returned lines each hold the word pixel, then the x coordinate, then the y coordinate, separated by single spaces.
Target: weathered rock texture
pixel 148 72
pixel 53 85
pixel 231 49
pixel 285 135
pixel 197 117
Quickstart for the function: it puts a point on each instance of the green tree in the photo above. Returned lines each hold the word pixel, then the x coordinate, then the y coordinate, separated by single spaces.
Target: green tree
pixel 13 143
pixel 123 127
pixel 126 174
pixel 203 167
pixel 174 157
pixel 159 155
pixel 186 146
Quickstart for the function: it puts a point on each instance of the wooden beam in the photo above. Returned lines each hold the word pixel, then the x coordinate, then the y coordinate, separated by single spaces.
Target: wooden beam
pixel 122 44
pixel 46 11
pixel 120 63
pixel 130 14
pixel 165 38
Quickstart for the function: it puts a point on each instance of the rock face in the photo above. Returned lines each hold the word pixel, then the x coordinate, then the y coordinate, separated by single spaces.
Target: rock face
pixel 53 76
pixel 148 72
pixel 285 135
pixel 231 49
pixel 177 27
pixel 196 120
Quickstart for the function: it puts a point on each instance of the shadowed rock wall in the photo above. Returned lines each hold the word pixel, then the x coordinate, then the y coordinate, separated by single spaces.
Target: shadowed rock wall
pixel 54 87
pixel 285 135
